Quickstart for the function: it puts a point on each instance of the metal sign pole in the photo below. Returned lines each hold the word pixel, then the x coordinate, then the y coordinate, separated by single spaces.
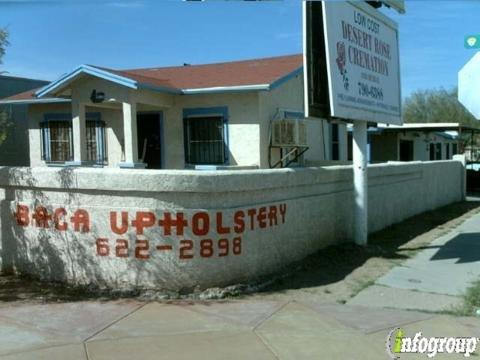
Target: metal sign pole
pixel 360 182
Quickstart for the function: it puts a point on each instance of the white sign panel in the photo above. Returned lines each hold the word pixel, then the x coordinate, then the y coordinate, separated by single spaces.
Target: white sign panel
pixel 362 63
pixel 469 85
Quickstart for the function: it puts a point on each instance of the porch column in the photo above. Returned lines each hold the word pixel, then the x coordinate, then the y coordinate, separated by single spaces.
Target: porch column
pixel 130 136
pixel 79 134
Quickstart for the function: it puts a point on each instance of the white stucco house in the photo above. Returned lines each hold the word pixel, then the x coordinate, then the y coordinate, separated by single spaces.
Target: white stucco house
pixel 191 116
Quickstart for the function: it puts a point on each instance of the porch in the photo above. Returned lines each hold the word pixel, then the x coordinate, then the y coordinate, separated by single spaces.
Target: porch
pixel 103 109
pixel 135 129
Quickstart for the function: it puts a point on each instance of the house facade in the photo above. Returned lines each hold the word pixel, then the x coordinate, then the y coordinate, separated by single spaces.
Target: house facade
pixel 203 116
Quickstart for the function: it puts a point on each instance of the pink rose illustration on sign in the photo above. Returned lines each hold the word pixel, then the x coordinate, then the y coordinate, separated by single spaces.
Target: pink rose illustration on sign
pixel 342 62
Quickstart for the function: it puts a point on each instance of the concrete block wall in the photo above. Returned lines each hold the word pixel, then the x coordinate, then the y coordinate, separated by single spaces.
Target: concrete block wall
pixel 127 229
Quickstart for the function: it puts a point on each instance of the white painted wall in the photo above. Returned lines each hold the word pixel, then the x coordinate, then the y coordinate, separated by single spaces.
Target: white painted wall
pixel 317 204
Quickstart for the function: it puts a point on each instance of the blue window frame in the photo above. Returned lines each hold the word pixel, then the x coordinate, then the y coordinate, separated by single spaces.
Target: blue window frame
pixel 206 136
pixel 57 138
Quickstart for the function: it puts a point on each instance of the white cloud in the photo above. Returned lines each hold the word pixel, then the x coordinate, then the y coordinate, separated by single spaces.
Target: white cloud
pixel 126 4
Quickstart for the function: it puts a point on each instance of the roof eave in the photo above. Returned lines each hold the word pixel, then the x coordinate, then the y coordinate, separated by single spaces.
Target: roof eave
pixel 223 89
pixel 34 101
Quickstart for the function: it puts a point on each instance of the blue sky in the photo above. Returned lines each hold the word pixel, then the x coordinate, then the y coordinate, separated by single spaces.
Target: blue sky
pixel 49 38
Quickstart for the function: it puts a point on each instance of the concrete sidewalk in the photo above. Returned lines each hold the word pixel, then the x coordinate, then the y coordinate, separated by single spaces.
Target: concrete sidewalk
pixel 435 278
pixel 240 329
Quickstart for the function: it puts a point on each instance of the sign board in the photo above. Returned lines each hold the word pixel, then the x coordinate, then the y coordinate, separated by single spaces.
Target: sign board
pixel 360 62
pixel 469 85
pixel 472 42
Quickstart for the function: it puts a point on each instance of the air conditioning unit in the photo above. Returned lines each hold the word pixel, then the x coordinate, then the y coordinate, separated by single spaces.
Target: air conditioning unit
pixel 289 133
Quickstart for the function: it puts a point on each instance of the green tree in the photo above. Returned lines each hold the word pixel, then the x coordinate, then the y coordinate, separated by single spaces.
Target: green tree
pixel 436 105
pixel 5 122
pixel 3 42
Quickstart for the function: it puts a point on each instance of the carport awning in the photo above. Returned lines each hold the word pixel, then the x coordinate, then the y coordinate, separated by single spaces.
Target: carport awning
pixel 427 127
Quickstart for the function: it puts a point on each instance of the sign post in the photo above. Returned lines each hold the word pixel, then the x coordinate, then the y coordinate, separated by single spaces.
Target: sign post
pixel 352 72
pixel 360 182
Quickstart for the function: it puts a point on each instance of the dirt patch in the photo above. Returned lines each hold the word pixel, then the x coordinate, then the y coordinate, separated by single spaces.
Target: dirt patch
pixel 339 272
pixel 334 274
pixel 18 290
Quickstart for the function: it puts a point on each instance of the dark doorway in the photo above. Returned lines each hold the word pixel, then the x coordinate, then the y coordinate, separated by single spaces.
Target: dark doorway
pixel 406 150
pixel 149 134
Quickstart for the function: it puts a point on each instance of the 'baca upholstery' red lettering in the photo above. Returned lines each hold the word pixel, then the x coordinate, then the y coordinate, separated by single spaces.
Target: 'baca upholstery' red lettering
pixel 22 215
pixel 81 221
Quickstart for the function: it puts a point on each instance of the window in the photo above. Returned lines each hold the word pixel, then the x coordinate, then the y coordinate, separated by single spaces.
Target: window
pixel 436 151
pixel 57 141
pixel 335 142
pixel 96 152
pixel 57 138
pixel 206 136
pixel 406 150
pixel 454 149
pixel 447 151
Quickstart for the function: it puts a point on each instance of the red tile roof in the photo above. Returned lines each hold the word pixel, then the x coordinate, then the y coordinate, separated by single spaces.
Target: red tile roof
pixel 238 73
pixel 26 95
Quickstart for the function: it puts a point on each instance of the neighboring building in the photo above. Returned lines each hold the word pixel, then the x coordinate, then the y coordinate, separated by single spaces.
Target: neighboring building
pixel 417 141
pixel 14 150
pixel 188 116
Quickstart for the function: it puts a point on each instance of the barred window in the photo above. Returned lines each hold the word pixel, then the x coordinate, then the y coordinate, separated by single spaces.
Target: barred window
pixel 205 140
pixel 96 151
pixel 57 138
pixel 57 141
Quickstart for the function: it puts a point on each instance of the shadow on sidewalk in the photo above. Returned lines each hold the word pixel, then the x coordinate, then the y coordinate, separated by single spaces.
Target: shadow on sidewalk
pixel 335 263
pixel 465 247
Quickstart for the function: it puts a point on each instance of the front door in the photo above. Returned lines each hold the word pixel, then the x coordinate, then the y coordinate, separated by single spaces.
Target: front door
pixel 150 139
